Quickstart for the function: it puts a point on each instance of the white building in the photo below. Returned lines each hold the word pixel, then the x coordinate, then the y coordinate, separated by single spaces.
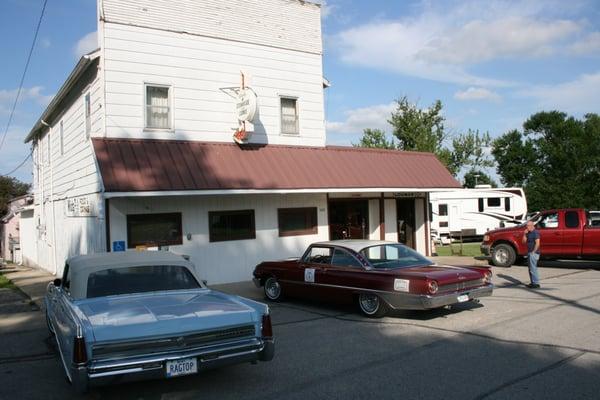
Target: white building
pixel 137 148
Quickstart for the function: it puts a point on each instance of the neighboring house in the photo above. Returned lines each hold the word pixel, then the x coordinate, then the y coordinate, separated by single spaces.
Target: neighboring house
pixel 10 230
pixel 200 127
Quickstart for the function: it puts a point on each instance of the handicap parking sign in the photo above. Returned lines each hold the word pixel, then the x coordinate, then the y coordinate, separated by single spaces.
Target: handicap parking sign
pixel 119 245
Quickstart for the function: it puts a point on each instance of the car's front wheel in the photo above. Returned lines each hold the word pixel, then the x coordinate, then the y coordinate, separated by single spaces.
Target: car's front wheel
pixel 503 255
pixel 272 289
pixel 371 305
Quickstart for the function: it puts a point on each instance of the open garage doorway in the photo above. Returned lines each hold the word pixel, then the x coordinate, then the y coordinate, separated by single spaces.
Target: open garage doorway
pixel 348 219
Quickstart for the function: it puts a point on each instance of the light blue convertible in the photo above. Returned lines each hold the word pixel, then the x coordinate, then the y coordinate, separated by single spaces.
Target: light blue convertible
pixel 140 315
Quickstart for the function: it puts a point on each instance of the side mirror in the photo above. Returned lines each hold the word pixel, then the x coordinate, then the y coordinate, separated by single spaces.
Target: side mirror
pixel 57 282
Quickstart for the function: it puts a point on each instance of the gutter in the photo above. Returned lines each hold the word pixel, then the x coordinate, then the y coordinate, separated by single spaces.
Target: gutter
pixel 80 68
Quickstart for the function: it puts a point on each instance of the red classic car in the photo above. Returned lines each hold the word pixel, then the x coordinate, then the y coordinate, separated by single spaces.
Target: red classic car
pixel 378 275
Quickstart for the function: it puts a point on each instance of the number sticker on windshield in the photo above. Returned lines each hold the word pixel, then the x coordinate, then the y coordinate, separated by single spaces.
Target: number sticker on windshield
pixel 309 275
pixel 401 285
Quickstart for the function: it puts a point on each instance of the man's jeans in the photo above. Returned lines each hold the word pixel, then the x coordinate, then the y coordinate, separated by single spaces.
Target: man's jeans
pixel 533 271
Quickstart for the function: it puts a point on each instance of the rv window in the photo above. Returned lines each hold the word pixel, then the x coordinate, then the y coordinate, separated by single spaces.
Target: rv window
pixel 507 203
pixel 443 210
pixel 443 224
pixel 493 202
pixel 480 205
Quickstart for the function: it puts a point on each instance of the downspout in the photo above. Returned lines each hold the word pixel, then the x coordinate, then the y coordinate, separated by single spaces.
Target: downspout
pixel 52 204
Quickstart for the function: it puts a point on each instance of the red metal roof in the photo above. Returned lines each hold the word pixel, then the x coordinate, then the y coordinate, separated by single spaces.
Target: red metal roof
pixel 130 165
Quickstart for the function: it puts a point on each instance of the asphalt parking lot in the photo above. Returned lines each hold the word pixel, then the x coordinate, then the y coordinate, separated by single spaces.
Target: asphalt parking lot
pixel 520 343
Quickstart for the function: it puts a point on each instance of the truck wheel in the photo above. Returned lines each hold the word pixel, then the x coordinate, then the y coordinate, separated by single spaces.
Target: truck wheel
pixel 503 255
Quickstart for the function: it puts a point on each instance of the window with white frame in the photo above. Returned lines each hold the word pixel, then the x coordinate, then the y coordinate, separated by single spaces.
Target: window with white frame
pixel 158 107
pixel 289 115
pixel 88 115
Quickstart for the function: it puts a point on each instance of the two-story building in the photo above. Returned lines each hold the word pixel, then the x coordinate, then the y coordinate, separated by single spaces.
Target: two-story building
pixel 200 127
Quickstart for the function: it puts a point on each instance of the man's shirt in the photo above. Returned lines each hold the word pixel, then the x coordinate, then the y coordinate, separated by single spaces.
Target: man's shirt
pixel 531 238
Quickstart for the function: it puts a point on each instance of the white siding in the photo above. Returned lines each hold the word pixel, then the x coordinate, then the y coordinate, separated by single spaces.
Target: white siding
pixel 374 219
pixel 391 222
pixel 229 261
pixel 289 24
pixel 197 68
pixel 420 228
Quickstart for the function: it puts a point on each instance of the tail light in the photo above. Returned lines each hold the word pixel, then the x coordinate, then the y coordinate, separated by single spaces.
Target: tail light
pixel 487 277
pixel 267 328
pixel 79 351
pixel 432 287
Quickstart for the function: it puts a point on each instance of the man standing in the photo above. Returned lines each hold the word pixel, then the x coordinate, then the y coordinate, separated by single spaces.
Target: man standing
pixel 532 237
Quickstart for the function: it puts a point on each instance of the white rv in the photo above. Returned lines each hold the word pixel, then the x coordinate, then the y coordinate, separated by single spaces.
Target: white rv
pixel 473 212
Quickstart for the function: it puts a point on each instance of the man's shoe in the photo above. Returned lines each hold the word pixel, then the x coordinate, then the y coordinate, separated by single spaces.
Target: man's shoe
pixel 533 286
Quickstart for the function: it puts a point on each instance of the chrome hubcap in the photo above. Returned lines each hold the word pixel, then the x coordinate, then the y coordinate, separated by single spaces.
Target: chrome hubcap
pixel 369 303
pixel 501 256
pixel 272 288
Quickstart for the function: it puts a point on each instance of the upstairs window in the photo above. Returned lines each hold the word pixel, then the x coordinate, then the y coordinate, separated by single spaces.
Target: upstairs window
pixel 158 107
pixel 88 115
pixel 289 116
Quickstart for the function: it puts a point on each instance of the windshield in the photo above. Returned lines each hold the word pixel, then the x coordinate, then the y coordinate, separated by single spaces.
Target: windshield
pixel 391 256
pixel 139 279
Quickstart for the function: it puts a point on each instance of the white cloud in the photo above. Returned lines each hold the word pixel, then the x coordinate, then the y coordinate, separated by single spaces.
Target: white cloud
pixel 479 41
pixel 357 119
pixel 476 93
pixel 589 46
pixel 7 97
pixel 86 44
pixel 577 96
pixel 442 40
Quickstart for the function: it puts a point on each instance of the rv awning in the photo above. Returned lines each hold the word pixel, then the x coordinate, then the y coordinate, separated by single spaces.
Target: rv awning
pixel 129 165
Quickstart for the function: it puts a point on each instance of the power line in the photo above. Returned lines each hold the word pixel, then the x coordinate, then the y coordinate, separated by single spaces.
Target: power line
pixel 37 29
pixel 20 165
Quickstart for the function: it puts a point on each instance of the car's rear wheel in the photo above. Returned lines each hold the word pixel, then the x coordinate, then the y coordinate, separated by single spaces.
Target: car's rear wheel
pixel 503 255
pixel 272 289
pixel 371 305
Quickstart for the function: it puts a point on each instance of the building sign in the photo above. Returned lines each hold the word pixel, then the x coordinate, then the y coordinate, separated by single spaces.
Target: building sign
pixel 118 245
pixel 80 207
pixel 246 106
pixel 410 194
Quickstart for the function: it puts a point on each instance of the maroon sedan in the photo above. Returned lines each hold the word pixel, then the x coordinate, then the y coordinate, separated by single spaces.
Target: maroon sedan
pixel 378 275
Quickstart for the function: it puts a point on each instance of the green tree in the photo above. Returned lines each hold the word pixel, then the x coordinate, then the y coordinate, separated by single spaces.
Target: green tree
pixel 477 177
pixel 422 129
pixel 375 138
pixel 556 159
pixel 10 188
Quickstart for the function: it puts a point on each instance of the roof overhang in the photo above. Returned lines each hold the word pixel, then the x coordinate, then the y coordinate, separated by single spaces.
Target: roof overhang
pixel 82 66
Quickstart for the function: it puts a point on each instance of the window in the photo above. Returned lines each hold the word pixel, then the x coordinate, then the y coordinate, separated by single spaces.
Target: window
pixel 289 116
pixel 153 229
pixel 480 208
pixel 342 258
pixel 572 219
pixel 391 256
pixel 62 138
pixel 493 202
pixel 507 204
pixel 318 255
pixel 297 221
pixel 442 210
pixel 158 109
pixel 88 115
pixel 548 221
pixel 231 225
pixel 443 224
pixel 140 279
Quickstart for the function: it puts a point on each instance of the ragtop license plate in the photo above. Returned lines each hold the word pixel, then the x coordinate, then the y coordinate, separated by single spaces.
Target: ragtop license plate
pixel 185 366
pixel 462 298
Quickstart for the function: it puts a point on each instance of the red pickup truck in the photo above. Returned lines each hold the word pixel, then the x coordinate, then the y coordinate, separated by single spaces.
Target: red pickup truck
pixel 564 234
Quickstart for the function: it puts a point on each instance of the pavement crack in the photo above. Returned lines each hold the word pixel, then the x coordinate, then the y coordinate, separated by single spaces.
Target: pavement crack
pixel 530 375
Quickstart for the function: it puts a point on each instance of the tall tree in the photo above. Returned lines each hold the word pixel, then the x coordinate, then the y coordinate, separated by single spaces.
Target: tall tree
pixel 10 188
pixel 476 177
pixel 556 159
pixel 375 138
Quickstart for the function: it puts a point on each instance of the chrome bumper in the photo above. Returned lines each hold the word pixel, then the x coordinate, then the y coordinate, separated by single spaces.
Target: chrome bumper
pixel 424 302
pixel 143 367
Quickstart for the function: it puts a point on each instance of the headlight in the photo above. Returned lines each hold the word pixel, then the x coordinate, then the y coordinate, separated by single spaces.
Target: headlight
pixel 486 238
pixel 432 286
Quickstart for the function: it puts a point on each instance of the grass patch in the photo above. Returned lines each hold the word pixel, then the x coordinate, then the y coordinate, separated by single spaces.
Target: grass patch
pixel 468 250
pixel 5 283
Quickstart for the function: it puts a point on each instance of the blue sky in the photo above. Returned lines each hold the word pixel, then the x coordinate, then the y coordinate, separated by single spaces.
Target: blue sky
pixel 491 63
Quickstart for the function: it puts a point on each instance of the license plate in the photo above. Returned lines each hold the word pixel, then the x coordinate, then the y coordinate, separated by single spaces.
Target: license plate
pixel 462 298
pixel 185 366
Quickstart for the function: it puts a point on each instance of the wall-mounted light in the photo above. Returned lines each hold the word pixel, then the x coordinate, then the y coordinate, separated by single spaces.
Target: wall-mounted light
pixel 188 236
